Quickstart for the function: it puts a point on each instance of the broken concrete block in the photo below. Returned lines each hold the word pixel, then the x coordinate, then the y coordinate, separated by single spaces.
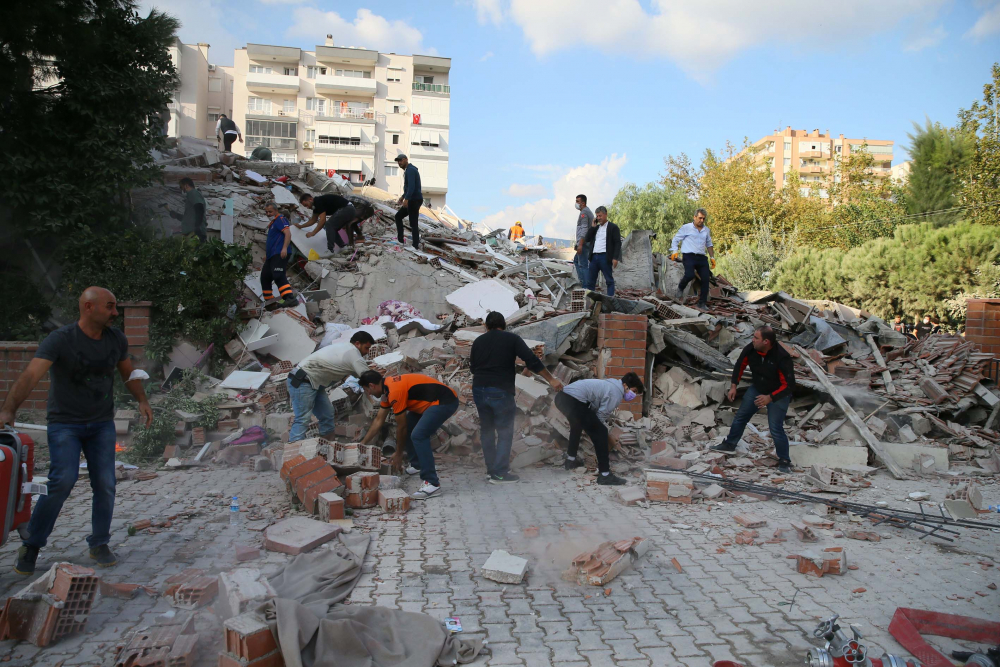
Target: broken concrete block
pixel 903 454
pixel 504 568
pixel 830 456
pixel 668 486
pixel 191 589
pixel 876 426
pixel 386 482
pixel 865 535
pixel 820 564
pixel 750 520
pixel 531 396
pixel 746 537
pixel 331 507
pixel 53 606
pixel 919 495
pixel 906 434
pixel 477 300
pixel 712 491
pixel 607 561
pixel 630 495
pixel 245 553
pixel 261 463
pixel 532 456
pixel 961 509
pixel 688 395
pixel 170 642
pixel 249 641
pixel 394 501
pixel 241 590
pixel 297 535
pixel 705 417
pixel 362 481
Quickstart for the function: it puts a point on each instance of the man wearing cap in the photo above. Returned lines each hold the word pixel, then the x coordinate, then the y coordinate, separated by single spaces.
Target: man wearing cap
pixel 411 200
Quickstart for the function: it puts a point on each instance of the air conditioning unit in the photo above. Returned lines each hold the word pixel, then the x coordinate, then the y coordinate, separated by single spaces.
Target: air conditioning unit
pixel 211 68
pixel 307 144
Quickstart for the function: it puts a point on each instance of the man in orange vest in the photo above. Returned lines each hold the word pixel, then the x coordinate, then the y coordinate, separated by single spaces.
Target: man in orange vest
pixel 516 232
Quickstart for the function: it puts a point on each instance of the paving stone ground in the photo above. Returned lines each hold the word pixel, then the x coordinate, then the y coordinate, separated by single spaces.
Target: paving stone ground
pixel 729 603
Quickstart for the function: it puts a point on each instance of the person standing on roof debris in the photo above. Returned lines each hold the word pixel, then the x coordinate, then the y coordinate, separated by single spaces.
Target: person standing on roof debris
pixel 81 359
pixel 340 212
pixel 421 405
pixel 193 218
pixel 605 241
pixel 261 153
pixel 276 261
pixel 900 326
pixel 588 405
pixel 692 243
pixel 492 362
pixel 324 368
pixel 410 202
pixel 584 222
pixel 516 233
pixel 229 131
pixel 773 382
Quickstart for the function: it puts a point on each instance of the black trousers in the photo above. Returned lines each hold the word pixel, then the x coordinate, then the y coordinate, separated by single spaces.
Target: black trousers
pixel 411 209
pixel 274 271
pixel 693 262
pixel 227 141
pixel 582 418
pixel 340 219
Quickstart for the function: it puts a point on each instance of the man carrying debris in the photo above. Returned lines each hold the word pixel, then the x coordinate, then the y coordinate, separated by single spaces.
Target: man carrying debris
pixel 81 359
pixel 492 363
pixel 410 202
pixel 693 241
pixel 516 233
pixel 584 222
pixel 324 368
pixel 279 235
pixel 340 212
pixel 193 218
pixel 588 404
pixel 605 241
pixel 229 131
pixel 773 383
pixel 427 405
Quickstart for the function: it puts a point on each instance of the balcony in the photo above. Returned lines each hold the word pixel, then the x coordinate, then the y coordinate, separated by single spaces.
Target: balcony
pixel 270 112
pixel 271 83
pixel 815 155
pixel 432 88
pixel 813 169
pixel 327 147
pixel 309 118
pixel 329 84
pixel 342 55
pixel 270 142
pixel 266 53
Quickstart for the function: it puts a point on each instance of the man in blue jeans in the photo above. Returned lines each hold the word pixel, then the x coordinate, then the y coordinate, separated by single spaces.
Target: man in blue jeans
pixel 605 241
pixel 81 358
pixel 584 222
pixel 693 245
pixel 773 382
pixel 492 360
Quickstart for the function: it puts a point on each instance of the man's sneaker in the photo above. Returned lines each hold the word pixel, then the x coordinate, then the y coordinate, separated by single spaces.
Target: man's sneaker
pixel 610 479
pixel 410 470
pixel 104 556
pixel 289 302
pixel 574 464
pixel 724 447
pixel 504 479
pixel 272 305
pixel 26 557
pixel 785 467
pixel 426 491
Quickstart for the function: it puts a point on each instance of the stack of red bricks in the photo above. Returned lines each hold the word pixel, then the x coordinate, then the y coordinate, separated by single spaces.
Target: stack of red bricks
pixel 625 337
pixel 14 358
pixel 308 478
pixel 42 613
pixel 137 315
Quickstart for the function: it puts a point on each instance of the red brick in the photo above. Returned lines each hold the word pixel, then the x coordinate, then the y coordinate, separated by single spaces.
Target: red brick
pixel 303 469
pixel 272 659
pixel 248 637
pixel 362 481
pixel 192 588
pixel 298 459
pixel 302 484
pixel 750 520
pixel 330 508
pixel 312 493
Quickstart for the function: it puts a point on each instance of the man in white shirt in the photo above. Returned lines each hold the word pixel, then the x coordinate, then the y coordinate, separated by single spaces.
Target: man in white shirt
pixel 693 242
pixel 605 241
pixel 230 132
pixel 327 366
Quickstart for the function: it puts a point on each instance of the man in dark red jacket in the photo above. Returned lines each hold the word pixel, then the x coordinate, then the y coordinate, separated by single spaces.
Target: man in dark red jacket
pixel 773 381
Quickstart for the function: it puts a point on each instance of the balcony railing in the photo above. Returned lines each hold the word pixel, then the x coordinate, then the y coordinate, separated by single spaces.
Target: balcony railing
pixel 272 110
pixel 432 88
pixel 331 147
pixel 270 142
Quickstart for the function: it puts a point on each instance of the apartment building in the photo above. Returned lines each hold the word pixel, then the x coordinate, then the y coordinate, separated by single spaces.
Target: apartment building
pixel 205 91
pixel 347 110
pixel 814 156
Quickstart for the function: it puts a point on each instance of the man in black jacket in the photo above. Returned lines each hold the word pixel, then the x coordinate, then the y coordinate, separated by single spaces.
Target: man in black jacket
pixel 605 241
pixel 773 381
pixel 492 360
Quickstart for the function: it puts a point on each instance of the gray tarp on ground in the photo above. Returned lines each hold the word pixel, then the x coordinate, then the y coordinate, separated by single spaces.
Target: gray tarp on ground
pixel 313 632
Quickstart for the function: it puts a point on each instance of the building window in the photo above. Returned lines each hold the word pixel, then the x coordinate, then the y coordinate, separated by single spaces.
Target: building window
pixel 215 85
pixel 317 104
pixel 788 162
pixel 788 148
pixel 422 79
pixel 392 77
pixel 391 170
pixel 311 72
pixel 259 104
pixel 259 69
pixel 291 71
pixel 213 117
pixel 395 108
pixel 353 73
pixel 288 107
pixel 311 135
pixel 395 139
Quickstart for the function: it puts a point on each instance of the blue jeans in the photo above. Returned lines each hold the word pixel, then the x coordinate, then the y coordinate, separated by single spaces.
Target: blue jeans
pixel 600 263
pixel 420 428
pixel 307 401
pixel 582 263
pixel 695 263
pixel 97 442
pixel 496 419
pixel 776 411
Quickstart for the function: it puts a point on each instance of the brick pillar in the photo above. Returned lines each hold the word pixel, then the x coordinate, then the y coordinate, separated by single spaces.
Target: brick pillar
pixel 982 326
pixel 14 358
pixel 625 337
pixel 136 314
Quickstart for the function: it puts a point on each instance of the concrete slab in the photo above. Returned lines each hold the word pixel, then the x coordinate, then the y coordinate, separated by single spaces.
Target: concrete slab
pixel 294 343
pixel 903 454
pixel 504 568
pixel 298 535
pixel 830 456
pixel 477 300
pixel 240 590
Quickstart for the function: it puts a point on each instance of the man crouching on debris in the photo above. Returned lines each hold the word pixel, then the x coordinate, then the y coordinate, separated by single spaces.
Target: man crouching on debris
pixel 427 405
pixel 278 237
pixel 81 358
pixel 588 404
pixel 773 382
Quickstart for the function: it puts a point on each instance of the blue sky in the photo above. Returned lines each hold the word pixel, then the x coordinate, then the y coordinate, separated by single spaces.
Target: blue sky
pixel 555 97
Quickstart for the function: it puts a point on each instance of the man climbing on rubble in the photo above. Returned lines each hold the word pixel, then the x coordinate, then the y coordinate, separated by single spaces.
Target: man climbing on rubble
pixel 693 244
pixel 516 233
pixel 229 131
pixel 193 218
pixel 588 405
pixel 584 222
pixel 326 367
pixel 339 211
pixel 279 235
pixel 773 382
pixel 492 362
pixel 262 153
pixel 421 405
pixel 605 241
pixel 81 359
pixel 410 202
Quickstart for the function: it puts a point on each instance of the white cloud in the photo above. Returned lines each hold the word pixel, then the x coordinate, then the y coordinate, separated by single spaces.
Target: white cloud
pixel 556 217
pixel 201 21
pixel 523 190
pixel 925 40
pixel 486 56
pixel 701 35
pixel 368 30
pixel 989 23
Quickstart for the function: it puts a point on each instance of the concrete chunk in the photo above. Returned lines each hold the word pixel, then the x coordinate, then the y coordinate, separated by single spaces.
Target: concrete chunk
pixel 830 456
pixel 504 568
pixel 630 495
pixel 298 535
pixel 240 590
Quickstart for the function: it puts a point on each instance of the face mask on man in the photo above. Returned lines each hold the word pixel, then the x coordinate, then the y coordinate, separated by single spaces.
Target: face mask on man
pixel 629 395
pixel 579 207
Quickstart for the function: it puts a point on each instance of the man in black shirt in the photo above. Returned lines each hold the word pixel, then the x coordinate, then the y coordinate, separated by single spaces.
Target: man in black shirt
pixel 492 362
pixel 82 358
pixel 337 209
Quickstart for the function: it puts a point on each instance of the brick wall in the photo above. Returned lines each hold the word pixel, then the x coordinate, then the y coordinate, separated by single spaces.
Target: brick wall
pixel 982 324
pixel 14 358
pixel 136 314
pixel 625 337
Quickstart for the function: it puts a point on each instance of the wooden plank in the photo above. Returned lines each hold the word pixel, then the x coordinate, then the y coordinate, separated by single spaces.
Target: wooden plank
pixel 886 375
pixel 894 468
pixel 809 414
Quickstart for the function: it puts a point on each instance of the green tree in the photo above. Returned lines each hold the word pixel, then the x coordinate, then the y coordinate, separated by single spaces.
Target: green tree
pixel 680 174
pixel 82 84
pixel 940 158
pixel 662 209
pixel 737 190
pixel 807 213
pixel 750 261
pixel 866 205
pixel 981 182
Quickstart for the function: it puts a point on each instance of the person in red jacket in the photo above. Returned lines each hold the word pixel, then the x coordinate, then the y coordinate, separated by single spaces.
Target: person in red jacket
pixel 773 382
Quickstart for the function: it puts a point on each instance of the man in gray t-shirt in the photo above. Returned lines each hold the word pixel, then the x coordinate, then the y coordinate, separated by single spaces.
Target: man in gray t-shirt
pixel 584 222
